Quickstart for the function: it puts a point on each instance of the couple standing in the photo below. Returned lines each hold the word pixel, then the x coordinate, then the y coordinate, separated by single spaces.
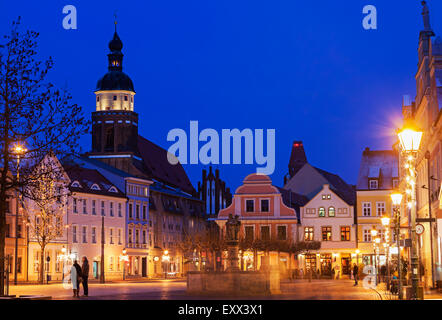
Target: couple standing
pixel 80 275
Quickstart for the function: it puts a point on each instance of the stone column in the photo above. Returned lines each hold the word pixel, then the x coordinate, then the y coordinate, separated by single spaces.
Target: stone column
pixel 232 256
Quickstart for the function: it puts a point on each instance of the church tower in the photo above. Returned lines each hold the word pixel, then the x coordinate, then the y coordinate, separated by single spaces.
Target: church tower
pixel 114 122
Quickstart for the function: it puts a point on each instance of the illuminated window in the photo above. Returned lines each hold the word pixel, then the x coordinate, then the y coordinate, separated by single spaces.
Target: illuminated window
pixel 321 212
pixel 326 233
pixel 345 233
pixel 308 234
pixel 331 212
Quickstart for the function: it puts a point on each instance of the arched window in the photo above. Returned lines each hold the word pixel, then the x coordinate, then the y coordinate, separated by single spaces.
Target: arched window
pixel 331 212
pixel 321 211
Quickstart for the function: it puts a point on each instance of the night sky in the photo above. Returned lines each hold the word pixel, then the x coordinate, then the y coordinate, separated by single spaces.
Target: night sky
pixel 305 68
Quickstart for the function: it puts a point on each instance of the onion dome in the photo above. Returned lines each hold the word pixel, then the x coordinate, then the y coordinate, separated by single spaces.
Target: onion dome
pixel 115 79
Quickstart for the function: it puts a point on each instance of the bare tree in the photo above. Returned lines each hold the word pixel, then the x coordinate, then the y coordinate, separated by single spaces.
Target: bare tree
pixel 33 112
pixel 46 206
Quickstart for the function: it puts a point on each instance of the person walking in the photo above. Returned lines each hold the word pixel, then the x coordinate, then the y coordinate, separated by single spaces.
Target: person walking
pixel 355 273
pixel 85 276
pixel 77 268
pixel 75 277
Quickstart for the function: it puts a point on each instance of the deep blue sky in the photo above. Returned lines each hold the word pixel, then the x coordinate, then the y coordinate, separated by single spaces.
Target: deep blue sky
pixel 305 68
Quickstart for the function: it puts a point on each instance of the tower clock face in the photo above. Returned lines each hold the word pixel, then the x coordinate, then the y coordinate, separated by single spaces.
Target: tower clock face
pixel 419 229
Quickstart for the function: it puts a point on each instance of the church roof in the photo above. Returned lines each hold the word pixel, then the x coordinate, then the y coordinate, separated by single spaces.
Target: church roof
pixel 155 162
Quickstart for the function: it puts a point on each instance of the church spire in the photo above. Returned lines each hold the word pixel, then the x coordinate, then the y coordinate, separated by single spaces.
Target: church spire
pixel 115 46
pixel 426 17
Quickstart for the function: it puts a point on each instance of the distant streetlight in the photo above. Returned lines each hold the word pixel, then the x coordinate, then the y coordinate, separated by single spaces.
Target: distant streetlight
pixel 18 150
pixel 410 138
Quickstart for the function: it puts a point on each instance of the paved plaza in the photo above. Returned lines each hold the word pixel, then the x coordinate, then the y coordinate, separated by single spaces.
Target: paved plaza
pixel 176 290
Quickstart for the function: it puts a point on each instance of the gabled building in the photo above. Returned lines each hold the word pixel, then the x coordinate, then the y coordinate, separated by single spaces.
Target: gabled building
pixel 95 203
pixel 326 214
pixel 136 213
pixel 264 216
pixel 378 177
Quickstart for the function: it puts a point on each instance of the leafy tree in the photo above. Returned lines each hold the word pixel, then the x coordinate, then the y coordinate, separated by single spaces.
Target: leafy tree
pixel 33 112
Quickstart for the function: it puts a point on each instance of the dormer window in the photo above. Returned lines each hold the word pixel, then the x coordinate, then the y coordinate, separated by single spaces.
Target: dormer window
pixel 113 189
pixel 95 187
pixel 373 184
pixel 75 184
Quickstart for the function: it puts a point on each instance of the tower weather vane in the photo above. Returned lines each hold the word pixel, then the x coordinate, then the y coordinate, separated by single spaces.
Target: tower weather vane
pixel 115 20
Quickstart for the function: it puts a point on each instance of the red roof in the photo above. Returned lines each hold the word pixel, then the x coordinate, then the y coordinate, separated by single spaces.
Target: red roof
pixel 158 167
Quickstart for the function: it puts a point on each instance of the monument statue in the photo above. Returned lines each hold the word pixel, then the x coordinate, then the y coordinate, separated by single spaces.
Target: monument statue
pixel 232 228
pixel 426 16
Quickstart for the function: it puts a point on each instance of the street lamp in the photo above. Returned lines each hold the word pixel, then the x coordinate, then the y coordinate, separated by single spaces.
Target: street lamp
pixel 124 258
pixel 19 151
pixel 357 256
pixel 165 259
pixel 374 233
pixel 396 198
pixel 410 138
pixel 63 256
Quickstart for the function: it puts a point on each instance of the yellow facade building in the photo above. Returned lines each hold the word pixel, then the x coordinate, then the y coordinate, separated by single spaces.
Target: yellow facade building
pixel 378 177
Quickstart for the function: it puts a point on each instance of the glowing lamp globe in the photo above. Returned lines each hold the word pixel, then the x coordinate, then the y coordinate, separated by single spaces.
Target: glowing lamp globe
pixel 385 221
pixel 410 137
pixel 396 198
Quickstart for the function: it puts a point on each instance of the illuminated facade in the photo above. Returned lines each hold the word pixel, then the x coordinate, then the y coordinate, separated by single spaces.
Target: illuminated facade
pixel 377 179
pixel 264 216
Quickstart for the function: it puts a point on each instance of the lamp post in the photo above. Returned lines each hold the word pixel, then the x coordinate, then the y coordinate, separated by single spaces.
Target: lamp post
pixel 374 233
pixel 357 256
pixel 377 241
pixel 124 258
pixel 410 138
pixel 165 259
pixel 18 150
pixel 396 198
pixel 63 250
pixel 386 223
